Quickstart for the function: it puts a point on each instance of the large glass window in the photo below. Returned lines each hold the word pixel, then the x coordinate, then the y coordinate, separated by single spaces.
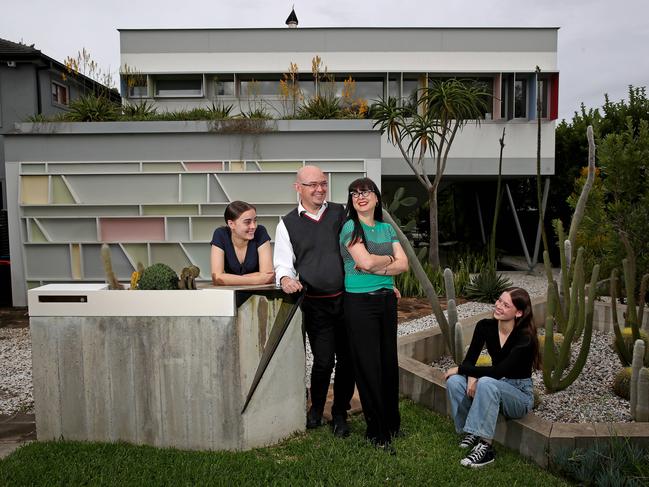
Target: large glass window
pixel 410 87
pixel 180 86
pixel 393 87
pixel 224 85
pixel 520 98
pixel 369 89
pixel 137 91
pixel 259 86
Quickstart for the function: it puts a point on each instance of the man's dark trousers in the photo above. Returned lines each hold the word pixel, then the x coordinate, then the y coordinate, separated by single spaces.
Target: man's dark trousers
pixel 325 327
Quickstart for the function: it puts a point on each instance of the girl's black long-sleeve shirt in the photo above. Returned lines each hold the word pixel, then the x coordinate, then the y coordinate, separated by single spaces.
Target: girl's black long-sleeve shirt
pixel 513 360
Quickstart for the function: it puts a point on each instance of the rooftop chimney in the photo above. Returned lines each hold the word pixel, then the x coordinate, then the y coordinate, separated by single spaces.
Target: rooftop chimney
pixel 291 21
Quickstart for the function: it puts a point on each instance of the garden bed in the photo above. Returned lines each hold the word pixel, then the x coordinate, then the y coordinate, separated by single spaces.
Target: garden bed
pixel 533 436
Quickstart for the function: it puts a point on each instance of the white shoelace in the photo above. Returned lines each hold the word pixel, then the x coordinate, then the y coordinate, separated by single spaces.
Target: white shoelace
pixel 478 452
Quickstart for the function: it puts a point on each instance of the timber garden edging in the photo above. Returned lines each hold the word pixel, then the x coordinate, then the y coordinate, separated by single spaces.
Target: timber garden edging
pixel 532 436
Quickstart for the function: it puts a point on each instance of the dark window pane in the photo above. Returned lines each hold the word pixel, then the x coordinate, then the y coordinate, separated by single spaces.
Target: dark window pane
pixel 520 99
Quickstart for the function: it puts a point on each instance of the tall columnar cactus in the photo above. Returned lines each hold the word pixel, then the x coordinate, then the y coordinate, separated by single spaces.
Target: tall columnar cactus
pixel 455 331
pixel 576 318
pixel 636 366
pixel 642 401
pixel 633 317
pixel 111 279
pixel 422 277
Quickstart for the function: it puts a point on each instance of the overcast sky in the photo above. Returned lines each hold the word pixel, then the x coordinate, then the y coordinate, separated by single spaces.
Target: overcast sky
pixel 603 45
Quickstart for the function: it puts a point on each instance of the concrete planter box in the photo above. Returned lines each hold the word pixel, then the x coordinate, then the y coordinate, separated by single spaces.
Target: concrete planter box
pixel 163 368
pixel 533 437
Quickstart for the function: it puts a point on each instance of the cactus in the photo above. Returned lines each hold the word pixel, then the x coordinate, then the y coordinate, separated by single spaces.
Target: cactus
pixel 158 276
pixel 642 401
pixel 188 277
pixel 636 367
pixel 455 331
pixel 422 277
pixel 633 317
pixel 111 279
pixel 577 318
pixel 622 383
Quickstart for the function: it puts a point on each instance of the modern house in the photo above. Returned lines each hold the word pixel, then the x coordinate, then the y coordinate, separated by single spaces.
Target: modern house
pixel 181 69
pixel 156 190
pixel 31 84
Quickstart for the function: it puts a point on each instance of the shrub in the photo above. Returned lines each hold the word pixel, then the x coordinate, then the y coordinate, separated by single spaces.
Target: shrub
pixel 158 276
pixel 321 107
pixel 92 108
pixel 143 110
pixel 622 383
pixel 258 114
pixel 614 462
pixel 487 286
pixel 220 111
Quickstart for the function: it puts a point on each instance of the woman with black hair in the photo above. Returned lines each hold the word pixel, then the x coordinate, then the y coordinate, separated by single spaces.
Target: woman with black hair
pixel 371 256
pixel 241 253
pixel 478 394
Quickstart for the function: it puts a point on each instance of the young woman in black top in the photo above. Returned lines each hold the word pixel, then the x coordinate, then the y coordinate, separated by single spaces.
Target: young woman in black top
pixel 241 253
pixel 478 394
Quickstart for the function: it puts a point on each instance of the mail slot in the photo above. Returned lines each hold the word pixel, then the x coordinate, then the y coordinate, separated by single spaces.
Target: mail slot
pixel 64 298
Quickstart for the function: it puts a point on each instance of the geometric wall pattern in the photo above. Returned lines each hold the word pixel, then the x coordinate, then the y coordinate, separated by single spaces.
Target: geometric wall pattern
pixel 148 211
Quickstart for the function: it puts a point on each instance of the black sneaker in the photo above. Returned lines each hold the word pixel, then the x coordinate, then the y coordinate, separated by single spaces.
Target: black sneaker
pixel 482 454
pixel 339 426
pixel 469 441
pixel 313 419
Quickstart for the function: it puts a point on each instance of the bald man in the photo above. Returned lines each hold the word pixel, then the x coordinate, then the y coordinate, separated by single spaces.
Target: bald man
pixel 307 256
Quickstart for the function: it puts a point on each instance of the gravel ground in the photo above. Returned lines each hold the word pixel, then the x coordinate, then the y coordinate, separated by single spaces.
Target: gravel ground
pixel 15 371
pixel 588 399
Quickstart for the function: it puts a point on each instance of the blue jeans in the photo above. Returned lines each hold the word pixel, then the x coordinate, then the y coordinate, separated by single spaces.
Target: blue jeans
pixel 478 416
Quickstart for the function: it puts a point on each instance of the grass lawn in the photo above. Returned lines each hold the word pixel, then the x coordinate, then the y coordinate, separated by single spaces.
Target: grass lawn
pixel 427 455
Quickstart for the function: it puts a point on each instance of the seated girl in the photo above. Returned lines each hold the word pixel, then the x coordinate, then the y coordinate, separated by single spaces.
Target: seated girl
pixel 478 394
pixel 241 253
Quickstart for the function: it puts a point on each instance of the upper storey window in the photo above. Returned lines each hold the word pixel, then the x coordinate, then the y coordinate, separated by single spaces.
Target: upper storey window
pixel 59 94
pixel 179 86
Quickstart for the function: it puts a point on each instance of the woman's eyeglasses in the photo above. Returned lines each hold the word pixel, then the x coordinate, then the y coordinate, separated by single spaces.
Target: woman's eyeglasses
pixel 357 194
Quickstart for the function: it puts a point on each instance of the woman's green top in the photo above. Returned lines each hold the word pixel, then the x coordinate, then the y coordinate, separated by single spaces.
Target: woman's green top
pixel 379 239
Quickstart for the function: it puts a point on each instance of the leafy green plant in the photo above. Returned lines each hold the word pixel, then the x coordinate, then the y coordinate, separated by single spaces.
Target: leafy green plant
pixel 400 200
pixel 444 108
pixel 220 111
pixel 487 286
pixel 613 462
pixel 320 108
pixel 257 114
pixel 142 110
pixel 158 276
pixel 92 108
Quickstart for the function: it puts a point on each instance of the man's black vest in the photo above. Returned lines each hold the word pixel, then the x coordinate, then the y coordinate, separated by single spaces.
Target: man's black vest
pixel 317 249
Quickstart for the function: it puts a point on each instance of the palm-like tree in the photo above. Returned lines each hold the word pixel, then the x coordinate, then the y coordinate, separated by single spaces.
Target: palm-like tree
pixel 443 108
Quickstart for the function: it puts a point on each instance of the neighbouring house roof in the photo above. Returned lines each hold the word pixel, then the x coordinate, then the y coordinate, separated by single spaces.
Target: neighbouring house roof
pixel 13 51
pixel 10 51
